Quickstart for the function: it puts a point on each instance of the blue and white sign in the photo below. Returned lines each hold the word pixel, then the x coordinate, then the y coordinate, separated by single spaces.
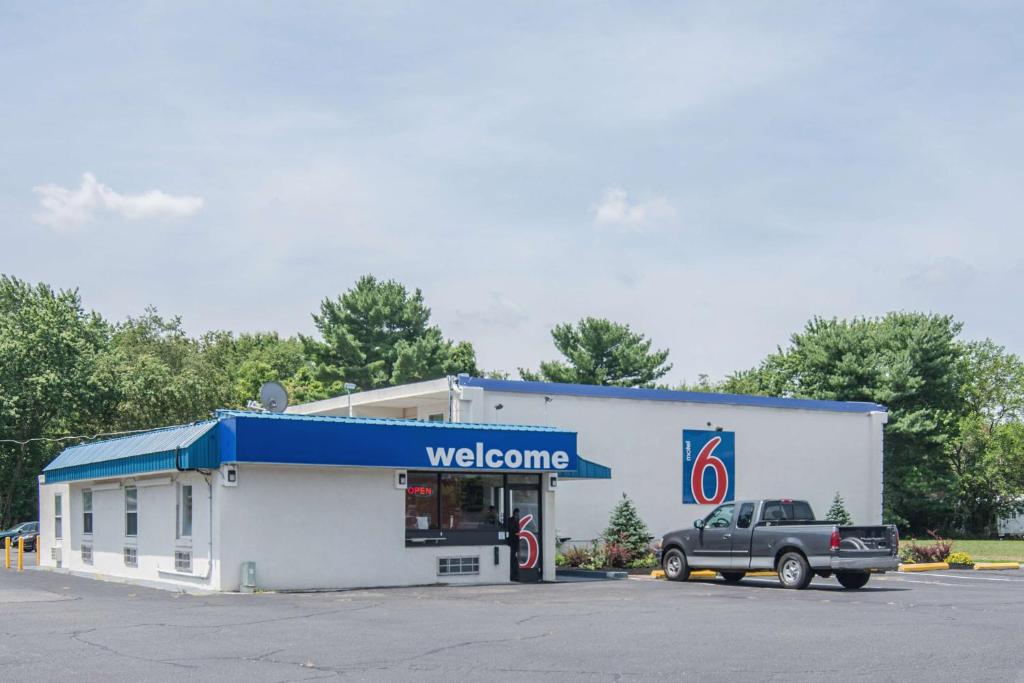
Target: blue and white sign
pixel 410 445
pixel 709 467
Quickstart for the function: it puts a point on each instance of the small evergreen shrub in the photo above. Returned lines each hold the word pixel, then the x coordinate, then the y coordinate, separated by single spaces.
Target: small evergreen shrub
pixel 627 530
pixel 838 512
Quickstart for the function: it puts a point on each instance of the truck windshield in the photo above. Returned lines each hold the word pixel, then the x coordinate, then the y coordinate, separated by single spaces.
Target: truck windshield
pixel 779 510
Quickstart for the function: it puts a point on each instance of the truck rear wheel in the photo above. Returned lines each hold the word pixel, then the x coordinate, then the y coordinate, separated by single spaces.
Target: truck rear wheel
pixel 675 565
pixel 733 577
pixel 794 572
pixel 853 580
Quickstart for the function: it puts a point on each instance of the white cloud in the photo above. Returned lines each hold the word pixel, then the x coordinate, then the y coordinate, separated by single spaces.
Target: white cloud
pixel 615 210
pixel 63 208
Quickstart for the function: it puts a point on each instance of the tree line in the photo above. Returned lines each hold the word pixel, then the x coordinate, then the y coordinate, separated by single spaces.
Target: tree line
pixel 954 444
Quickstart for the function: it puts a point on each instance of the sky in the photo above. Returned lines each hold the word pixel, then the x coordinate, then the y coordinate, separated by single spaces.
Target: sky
pixel 712 174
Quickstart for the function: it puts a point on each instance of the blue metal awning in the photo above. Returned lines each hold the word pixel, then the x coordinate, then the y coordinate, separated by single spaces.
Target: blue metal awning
pixel 188 446
pixel 588 470
pixel 286 439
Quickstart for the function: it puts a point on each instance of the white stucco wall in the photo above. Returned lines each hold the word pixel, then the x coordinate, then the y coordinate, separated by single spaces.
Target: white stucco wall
pixel 793 453
pixel 331 527
pixel 155 542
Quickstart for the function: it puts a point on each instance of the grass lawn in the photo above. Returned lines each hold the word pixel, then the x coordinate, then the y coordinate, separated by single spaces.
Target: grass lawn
pixel 985 551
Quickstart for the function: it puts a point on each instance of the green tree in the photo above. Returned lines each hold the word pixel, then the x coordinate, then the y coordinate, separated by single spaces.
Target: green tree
pixel 627 529
pixel 379 334
pixel 909 362
pixel 986 455
pixel 599 351
pixel 838 512
pixel 49 346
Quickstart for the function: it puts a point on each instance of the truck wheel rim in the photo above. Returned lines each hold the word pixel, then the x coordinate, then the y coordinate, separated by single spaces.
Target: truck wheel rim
pixel 674 565
pixel 791 571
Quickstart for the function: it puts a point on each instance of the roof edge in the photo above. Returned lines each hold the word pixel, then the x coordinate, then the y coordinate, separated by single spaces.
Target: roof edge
pixel 639 394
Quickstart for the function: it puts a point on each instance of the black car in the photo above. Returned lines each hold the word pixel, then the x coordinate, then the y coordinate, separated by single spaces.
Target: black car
pixel 30 530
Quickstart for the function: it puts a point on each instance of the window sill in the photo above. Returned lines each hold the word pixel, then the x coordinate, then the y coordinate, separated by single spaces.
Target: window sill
pixel 183 542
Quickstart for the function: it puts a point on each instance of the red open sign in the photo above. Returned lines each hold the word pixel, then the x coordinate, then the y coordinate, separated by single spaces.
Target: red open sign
pixel 420 491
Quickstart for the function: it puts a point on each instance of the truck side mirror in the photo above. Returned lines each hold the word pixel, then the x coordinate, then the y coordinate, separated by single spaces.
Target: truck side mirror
pixel 698 524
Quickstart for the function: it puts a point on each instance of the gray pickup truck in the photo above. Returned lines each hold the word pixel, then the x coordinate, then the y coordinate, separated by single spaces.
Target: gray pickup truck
pixel 783 536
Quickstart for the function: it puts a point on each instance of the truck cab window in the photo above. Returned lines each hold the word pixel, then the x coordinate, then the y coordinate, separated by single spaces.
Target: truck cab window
pixel 746 516
pixel 720 518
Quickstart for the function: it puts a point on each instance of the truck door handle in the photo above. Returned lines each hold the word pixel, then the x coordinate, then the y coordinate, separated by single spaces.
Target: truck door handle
pixel 726 536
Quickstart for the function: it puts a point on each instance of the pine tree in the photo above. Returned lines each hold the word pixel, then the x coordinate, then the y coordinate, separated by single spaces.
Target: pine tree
pixel 838 512
pixel 627 529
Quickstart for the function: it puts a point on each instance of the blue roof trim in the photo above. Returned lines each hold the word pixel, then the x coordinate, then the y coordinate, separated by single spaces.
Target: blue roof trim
pixel 392 422
pixel 588 470
pixel 593 391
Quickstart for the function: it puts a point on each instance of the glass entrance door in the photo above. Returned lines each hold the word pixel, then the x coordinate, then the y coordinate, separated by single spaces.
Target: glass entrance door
pixel 524 506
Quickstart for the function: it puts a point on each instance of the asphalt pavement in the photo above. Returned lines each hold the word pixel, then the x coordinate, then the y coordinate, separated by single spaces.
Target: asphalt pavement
pixel 950 626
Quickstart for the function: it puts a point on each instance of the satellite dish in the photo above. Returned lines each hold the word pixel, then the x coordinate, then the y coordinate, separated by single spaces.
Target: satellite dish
pixel 273 397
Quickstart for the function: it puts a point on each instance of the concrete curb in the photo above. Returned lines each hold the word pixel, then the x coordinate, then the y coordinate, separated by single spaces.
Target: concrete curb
pixel 996 565
pixel 924 567
pixel 592 574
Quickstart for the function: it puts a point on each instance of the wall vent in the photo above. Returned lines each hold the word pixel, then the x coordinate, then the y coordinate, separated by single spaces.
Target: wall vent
pixel 182 561
pixel 131 556
pixel 86 554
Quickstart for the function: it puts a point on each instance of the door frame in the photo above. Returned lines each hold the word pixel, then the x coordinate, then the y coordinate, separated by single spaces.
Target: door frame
pixel 536 574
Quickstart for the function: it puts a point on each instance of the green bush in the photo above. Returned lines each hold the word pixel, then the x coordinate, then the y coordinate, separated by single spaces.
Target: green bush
pixel 645 562
pixel 838 512
pixel 626 531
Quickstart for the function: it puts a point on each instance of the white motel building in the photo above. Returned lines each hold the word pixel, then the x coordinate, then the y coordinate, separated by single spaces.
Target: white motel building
pixel 445 481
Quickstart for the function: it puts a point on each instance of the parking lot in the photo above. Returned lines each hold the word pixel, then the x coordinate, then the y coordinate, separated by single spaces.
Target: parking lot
pixel 942 626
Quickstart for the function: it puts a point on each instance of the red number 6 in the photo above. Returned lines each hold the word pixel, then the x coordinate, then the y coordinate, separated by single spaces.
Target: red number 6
pixel 706 459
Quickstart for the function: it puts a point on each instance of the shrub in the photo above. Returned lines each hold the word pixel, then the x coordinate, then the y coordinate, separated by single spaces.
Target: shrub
pixel 617 555
pixel 838 512
pixel 961 558
pixel 934 552
pixel 906 552
pixel 647 561
pixel 627 529
pixel 577 556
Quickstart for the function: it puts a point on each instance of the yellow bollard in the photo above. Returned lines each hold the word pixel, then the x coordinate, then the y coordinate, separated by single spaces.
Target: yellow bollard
pixel 39 552
pixel 7 552
pixel 21 553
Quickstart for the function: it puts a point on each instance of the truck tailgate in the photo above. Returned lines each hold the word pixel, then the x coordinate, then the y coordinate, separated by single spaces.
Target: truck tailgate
pixel 867 541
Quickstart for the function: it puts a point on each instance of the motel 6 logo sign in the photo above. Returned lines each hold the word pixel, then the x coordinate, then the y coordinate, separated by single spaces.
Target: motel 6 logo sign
pixel 709 467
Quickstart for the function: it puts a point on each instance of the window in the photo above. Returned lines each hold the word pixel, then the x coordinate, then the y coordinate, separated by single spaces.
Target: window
pixel 471 501
pixel 131 556
pixel 421 501
pixel 780 510
pixel 58 517
pixel 720 518
pixel 131 511
pixel 449 566
pixel 436 417
pixel 182 561
pixel 86 554
pixel 185 511
pixel 746 516
pixel 87 511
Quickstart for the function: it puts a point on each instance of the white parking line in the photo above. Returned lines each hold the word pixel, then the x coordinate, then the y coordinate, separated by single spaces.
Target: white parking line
pixel 930 583
pixel 981 578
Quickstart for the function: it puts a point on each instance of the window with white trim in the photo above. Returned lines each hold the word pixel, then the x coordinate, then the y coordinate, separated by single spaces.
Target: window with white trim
pixel 184 511
pixel 87 512
pixel 451 566
pixel 131 556
pixel 58 516
pixel 131 511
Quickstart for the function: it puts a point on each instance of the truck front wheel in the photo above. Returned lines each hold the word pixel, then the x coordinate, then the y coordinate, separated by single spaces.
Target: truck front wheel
pixel 675 565
pixel 853 579
pixel 794 572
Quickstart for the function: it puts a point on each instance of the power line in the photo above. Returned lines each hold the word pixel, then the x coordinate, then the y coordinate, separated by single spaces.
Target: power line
pixel 68 438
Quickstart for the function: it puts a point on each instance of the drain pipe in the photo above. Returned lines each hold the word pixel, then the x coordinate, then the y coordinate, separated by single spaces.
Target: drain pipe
pixel 209 513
